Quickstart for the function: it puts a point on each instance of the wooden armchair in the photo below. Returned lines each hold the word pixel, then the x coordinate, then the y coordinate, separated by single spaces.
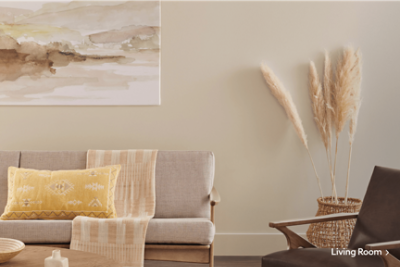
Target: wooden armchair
pixel 377 228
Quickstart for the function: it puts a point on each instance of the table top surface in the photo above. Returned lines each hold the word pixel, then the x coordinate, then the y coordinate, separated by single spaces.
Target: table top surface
pixel 33 256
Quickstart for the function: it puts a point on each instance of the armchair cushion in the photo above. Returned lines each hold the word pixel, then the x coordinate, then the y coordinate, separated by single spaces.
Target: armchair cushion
pixel 317 257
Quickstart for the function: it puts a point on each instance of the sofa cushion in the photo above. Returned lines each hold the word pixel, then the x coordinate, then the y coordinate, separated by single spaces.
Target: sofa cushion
pixel 180 231
pixel 37 231
pixel 175 231
pixel 184 179
pixel 7 159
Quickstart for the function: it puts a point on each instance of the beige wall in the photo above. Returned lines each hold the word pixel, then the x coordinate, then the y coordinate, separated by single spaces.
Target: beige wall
pixel 214 98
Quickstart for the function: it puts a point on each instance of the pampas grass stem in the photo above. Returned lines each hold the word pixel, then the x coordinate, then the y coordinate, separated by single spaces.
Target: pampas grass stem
pixel 334 193
pixel 285 99
pixel 348 174
pixel 316 174
pixel 334 166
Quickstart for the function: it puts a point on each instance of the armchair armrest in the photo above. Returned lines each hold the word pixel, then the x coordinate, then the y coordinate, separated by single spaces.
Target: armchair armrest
pixel 388 259
pixel 295 241
pixel 215 198
pixel 332 217
pixel 384 245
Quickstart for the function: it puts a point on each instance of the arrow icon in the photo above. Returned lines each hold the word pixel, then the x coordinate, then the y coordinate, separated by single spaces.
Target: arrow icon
pixel 387 253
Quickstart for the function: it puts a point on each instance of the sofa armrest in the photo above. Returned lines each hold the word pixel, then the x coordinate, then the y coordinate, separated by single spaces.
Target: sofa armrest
pixel 215 198
pixel 326 218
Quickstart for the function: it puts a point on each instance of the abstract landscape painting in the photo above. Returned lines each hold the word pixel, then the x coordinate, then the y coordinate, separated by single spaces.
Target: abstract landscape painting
pixel 80 53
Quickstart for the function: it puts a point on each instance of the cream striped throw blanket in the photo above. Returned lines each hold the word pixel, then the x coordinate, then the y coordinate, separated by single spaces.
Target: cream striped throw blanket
pixel 123 238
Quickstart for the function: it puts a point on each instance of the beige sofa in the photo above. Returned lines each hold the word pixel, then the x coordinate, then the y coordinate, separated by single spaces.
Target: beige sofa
pixel 182 228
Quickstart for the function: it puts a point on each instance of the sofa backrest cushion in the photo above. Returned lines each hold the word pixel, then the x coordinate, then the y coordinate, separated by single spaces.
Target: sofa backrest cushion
pixel 7 159
pixel 53 160
pixel 184 179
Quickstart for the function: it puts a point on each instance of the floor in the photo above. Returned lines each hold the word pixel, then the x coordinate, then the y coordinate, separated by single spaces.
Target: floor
pixel 220 261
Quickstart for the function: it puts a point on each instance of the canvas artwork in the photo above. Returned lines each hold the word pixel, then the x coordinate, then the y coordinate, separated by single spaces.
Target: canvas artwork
pixel 80 53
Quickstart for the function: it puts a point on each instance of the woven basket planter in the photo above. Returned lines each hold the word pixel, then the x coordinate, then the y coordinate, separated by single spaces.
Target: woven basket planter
pixel 333 234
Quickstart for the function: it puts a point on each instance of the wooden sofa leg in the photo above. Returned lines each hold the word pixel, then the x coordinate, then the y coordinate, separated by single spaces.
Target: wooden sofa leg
pixel 215 199
pixel 212 244
pixel 212 255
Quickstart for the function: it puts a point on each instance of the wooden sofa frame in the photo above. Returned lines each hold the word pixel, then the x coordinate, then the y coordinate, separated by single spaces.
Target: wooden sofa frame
pixel 294 241
pixel 181 253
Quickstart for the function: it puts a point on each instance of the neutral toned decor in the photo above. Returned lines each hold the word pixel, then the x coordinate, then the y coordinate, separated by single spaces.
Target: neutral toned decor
pixel 60 195
pixel 55 260
pixel 376 228
pixel 121 239
pixel 334 102
pixel 182 228
pixel 337 103
pixel 321 103
pixel 33 256
pixel 285 99
pixel 80 53
pixel 333 234
pixel 9 248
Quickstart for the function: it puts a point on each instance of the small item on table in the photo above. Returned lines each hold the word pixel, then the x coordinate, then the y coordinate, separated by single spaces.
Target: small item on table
pixel 56 260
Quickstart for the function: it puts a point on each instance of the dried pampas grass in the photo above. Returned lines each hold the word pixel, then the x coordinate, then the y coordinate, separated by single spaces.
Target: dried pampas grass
pixel 321 106
pixel 356 99
pixel 328 84
pixel 285 99
pixel 334 102
pixel 328 90
pixel 343 92
pixel 344 84
pixel 356 103
pixel 318 103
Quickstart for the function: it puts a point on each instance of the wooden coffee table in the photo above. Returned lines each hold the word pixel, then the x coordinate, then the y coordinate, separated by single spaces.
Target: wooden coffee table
pixel 33 256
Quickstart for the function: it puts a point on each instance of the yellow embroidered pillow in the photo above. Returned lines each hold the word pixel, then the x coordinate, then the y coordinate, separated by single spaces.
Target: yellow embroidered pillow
pixel 61 195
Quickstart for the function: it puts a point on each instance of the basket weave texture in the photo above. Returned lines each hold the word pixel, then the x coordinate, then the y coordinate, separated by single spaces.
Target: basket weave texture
pixel 333 234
